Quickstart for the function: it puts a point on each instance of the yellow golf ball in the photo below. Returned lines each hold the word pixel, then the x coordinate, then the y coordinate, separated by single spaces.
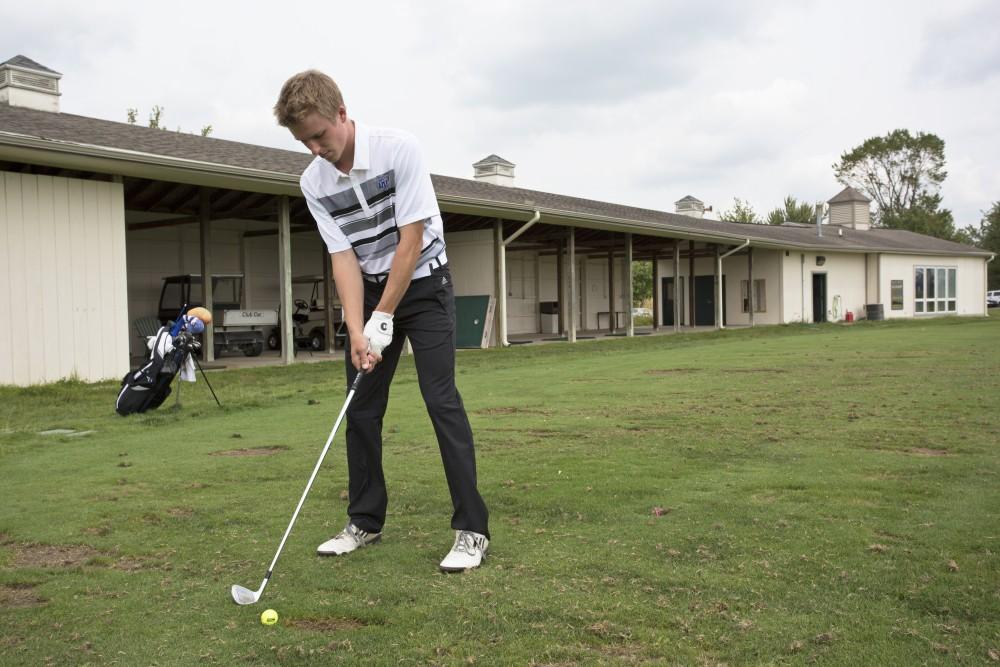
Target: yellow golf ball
pixel 269 617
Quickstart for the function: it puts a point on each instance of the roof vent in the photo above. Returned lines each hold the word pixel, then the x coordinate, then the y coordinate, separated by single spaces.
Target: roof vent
pixel 25 83
pixel 849 208
pixel 494 169
pixel 690 206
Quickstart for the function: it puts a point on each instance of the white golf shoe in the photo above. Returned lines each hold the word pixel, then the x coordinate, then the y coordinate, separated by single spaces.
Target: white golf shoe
pixel 468 552
pixel 347 540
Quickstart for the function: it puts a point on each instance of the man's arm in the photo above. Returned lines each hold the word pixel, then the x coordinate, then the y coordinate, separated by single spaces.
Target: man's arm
pixel 347 276
pixel 407 253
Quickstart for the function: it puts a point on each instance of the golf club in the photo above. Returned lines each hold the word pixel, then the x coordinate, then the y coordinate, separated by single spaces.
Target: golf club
pixel 243 595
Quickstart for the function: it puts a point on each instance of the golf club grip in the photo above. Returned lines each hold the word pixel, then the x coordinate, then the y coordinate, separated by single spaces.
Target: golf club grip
pixel 357 380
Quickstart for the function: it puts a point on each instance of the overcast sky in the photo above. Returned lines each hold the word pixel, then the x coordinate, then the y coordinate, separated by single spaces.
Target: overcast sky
pixel 634 102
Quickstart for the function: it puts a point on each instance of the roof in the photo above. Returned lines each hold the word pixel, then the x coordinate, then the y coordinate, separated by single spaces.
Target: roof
pixel 28 63
pixel 493 158
pixel 261 168
pixel 688 199
pixel 851 240
pixel 65 127
pixel 848 194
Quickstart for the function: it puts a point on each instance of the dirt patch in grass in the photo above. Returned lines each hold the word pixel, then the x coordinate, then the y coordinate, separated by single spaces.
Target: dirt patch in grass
pixel 52 555
pixel 672 371
pixel 20 595
pixel 924 451
pixel 756 370
pixel 59 556
pixel 511 410
pixel 326 624
pixel 251 451
pixel 130 564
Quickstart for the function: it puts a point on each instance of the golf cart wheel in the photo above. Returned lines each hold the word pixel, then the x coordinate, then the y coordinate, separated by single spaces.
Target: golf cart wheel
pixel 273 341
pixel 253 350
pixel 317 341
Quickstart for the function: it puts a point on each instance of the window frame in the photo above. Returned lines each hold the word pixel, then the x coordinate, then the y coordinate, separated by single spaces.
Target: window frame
pixel 935 289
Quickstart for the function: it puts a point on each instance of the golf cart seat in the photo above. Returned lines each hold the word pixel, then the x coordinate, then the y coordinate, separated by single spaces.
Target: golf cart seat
pixel 146 326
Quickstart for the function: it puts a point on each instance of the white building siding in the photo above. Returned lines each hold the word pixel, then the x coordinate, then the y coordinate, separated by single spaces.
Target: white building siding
pixel 766 267
pixel 845 285
pixel 522 292
pixel 472 262
pixel 63 268
pixel 970 272
pixel 792 281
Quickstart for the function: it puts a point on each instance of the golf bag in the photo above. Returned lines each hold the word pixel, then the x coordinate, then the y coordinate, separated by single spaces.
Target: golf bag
pixel 146 388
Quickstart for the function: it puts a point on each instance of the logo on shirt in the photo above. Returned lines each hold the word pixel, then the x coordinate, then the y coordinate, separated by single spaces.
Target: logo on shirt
pixel 382 182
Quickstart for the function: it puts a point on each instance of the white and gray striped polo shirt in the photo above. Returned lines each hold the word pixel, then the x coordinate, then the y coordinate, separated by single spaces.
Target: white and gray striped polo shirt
pixel 388 187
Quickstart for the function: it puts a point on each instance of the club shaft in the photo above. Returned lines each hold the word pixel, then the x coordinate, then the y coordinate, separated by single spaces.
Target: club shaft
pixel 326 448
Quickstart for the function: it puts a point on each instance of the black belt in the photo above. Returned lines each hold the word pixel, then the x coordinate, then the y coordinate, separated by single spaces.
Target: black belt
pixel 379 278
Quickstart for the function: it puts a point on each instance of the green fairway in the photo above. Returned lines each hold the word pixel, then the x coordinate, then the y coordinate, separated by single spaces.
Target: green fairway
pixel 782 495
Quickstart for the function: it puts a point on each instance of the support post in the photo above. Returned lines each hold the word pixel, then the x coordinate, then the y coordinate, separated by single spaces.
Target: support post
pixel 692 320
pixel 629 323
pixel 205 218
pixel 657 292
pixel 611 286
pixel 285 280
pixel 718 287
pixel 500 252
pixel 677 286
pixel 571 278
pixel 751 305
pixel 329 324
pixel 560 287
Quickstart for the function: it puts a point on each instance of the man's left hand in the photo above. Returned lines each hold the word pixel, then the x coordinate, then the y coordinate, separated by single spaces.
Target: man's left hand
pixel 378 331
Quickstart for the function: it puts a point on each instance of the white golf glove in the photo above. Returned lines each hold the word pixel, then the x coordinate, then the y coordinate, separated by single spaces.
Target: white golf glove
pixel 378 331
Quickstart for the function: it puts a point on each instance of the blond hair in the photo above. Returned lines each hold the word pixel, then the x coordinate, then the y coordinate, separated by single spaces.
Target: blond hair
pixel 305 93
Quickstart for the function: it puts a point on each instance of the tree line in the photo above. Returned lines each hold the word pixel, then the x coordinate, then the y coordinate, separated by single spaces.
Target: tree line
pixel 902 174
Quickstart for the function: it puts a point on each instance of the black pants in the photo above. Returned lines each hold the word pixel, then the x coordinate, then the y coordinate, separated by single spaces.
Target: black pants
pixel 426 315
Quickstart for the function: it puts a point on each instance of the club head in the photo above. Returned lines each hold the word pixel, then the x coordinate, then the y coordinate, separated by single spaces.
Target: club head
pixel 244 595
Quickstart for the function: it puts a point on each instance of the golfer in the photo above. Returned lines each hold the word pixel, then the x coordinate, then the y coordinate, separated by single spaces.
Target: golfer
pixel 374 205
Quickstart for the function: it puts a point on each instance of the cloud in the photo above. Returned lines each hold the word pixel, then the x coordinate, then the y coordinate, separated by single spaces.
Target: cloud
pixel 589 53
pixel 962 50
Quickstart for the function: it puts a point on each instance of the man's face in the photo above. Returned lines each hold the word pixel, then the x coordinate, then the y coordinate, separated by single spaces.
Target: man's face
pixel 324 137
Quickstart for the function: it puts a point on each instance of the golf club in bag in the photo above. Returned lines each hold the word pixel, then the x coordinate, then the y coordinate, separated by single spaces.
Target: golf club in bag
pixel 243 595
pixel 147 387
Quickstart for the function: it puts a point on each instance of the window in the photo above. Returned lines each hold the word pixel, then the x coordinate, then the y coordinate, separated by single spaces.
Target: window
pixel 759 292
pixel 897 295
pixel 934 289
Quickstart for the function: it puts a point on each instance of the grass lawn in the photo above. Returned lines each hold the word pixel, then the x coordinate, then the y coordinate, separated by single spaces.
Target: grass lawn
pixel 784 495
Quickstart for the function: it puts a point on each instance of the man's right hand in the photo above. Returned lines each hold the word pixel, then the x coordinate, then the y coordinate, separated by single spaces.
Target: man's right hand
pixel 361 357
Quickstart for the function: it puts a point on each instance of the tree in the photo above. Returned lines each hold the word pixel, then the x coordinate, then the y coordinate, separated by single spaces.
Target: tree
pixel 642 282
pixel 900 172
pixel 156 119
pixel 987 237
pixel 794 211
pixel 924 217
pixel 741 211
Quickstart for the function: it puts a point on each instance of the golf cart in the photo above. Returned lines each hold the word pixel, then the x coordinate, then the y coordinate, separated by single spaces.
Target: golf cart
pixel 309 317
pixel 236 329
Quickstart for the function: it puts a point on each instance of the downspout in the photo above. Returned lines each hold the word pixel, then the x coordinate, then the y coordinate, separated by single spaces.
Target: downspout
pixel 720 308
pixel 986 280
pixel 502 260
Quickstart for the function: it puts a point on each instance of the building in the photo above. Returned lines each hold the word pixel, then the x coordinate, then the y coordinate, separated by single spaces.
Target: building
pixel 95 213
